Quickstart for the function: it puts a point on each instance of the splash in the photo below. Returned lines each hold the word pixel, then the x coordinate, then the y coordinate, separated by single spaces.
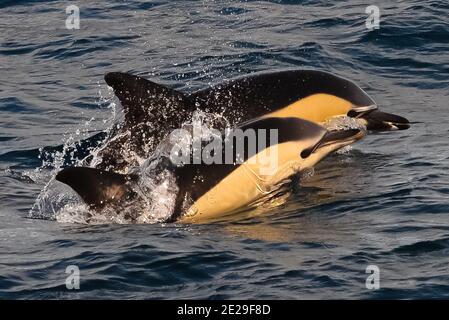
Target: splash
pixel 343 122
pixel 156 188
pixel 78 147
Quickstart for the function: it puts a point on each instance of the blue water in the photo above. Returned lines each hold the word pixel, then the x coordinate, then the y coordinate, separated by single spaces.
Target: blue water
pixel 383 203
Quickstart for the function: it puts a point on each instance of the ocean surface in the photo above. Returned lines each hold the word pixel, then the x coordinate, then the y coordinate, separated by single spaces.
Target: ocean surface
pixel 384 202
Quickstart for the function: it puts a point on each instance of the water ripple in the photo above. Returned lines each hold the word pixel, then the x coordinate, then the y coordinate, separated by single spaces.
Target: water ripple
pixel 384 202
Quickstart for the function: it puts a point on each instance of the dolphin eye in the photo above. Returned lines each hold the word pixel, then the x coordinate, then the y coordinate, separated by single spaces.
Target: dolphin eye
pixel 307 152
pixel 358 112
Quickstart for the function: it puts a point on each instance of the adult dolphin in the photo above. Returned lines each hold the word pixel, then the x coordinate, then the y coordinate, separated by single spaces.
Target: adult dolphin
pixel 152 111
pixel 208 190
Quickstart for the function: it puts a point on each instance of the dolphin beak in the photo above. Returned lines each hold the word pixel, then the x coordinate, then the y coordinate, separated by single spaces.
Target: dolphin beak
pixel 336 138
pixel 377 120
pixel 382 121
pixel 343 137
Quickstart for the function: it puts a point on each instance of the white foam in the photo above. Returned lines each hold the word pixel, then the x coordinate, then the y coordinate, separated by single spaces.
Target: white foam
pixel 340 123
pixel 156 186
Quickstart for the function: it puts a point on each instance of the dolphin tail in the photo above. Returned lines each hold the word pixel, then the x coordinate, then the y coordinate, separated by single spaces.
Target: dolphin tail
pixel 96 187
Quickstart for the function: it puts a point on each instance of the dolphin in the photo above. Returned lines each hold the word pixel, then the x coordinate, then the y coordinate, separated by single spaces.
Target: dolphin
pixel 152 111
pixel 210 190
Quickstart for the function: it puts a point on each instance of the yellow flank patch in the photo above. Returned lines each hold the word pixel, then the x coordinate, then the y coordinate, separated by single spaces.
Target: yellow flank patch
pixel 317 108
pixel 250 181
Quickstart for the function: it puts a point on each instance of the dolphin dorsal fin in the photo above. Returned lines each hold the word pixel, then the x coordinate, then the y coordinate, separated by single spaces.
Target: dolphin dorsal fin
pixel 96 187
pixel 144 100
pixel 151 111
